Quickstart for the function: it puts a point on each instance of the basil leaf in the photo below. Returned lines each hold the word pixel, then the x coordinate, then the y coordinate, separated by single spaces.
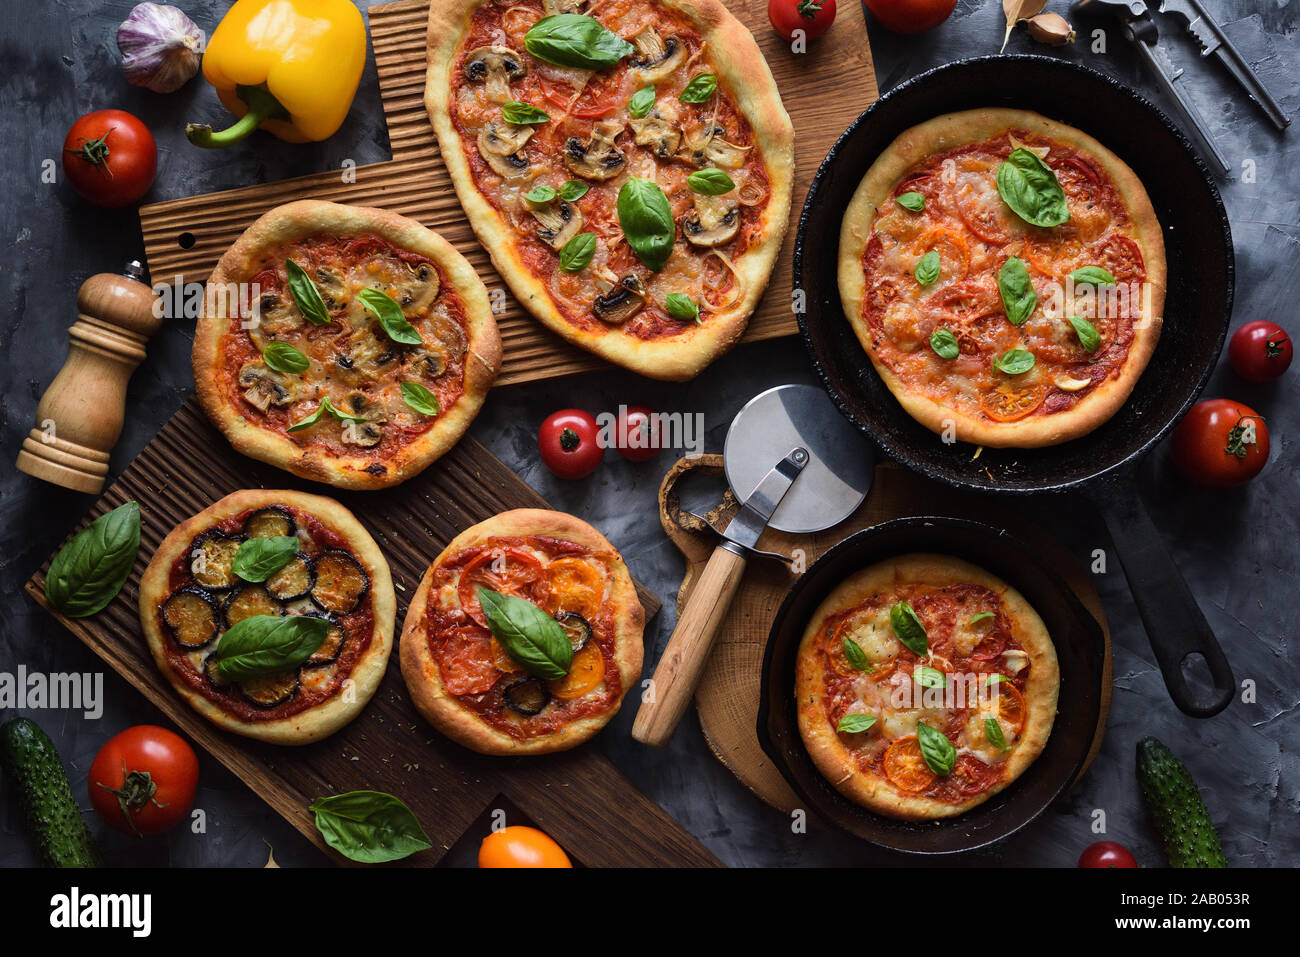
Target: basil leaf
pixel 1092 276
pixel 857 658
pixel 641 103
pixel 1088 335
pixel 1031 189
pixel 571 39
pixel 325 406
pixel 908 628
pixel 389 313
pixel 913 201
pixel 927 270
pixel 540 194
pixel 283 357
pixel 928 677
pixel 305 294
pixel 1014 362
pixel 856 723
pixel 980 617
pixel 577 252
pixel 682 307
pixel 90 570
pixel 944 344
pixel 529 635
pixel 647 221
pixel 993 731
pixel 573 190
pixel 995 678
pixel 1018 296
pixel 262 645
pixel 710 182
pixel 523 114
pixel 420 399
pixel 369 826
pixel 701 87
pixel 258 559
pixel 937 750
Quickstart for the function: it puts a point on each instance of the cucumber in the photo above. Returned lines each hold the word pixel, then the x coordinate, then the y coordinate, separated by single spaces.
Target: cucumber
pixel 28 757
pixel 1177 808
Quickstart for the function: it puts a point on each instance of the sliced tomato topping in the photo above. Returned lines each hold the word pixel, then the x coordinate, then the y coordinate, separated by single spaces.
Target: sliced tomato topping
pixel 585 674
pixel 1011 705
pixel 969 300
pixel 905 766
pixel 1008 405
pixel 464 657
pixel 982 220
pixel 971 776
pixel 511 571
pixel 1120 255
pixel 501 660
pixel 953 250
pixel 840 662
pixel 577 585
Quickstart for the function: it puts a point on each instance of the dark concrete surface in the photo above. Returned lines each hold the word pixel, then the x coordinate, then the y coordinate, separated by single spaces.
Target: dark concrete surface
pixel 1236 549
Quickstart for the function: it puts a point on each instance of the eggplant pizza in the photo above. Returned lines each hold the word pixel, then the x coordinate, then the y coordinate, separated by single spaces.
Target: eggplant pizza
pixel 627 164
pixel 924 686
pixel 1006 275
pixel 345 344
pixel 524 635
pixel 271 614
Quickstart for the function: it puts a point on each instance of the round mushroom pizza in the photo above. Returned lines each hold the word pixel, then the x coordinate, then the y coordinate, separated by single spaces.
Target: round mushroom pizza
pixel 627 163
pixel 524 635
pixel 1006 275
pixel 924 686
pixel 271 613
pixel 345 344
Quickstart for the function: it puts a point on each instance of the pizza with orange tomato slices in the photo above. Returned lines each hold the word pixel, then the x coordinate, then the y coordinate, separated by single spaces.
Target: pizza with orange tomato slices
pixel 1006 275
pixel 524 635
pixel 627 163
pixel 924 686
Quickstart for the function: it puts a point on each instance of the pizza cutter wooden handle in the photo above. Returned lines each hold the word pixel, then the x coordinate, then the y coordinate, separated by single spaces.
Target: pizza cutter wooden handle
pixel 682 664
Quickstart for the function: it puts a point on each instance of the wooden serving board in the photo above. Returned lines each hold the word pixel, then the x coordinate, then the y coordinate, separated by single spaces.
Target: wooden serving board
pixel 823 89
pixel 577 797
pixel 728 695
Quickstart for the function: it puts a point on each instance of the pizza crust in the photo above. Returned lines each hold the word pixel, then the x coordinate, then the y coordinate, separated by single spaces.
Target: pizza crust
pixel 746 77
pixel 420 669
pixel 294 221
pixel 313 723
pixel 947 132
pixel 828 752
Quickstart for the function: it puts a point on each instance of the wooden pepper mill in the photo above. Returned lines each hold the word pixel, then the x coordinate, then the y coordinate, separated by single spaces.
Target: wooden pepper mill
pixel 79 418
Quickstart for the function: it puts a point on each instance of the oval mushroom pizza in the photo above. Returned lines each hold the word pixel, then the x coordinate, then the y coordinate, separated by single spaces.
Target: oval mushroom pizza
pixel 627 164
pixel 524 635
pixel 1006 275
pixel 345 344
pixel 271 613
pixel 924 686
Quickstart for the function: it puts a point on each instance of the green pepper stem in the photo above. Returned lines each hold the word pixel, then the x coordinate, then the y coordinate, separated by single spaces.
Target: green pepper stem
pixel 262 105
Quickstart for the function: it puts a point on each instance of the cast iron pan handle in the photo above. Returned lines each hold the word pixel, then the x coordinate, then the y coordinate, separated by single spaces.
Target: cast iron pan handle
pixel 1174 623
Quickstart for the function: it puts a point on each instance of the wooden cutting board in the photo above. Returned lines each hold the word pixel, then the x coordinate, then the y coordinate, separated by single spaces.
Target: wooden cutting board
pixel 728 695
pixel 823 89
pixel 577 797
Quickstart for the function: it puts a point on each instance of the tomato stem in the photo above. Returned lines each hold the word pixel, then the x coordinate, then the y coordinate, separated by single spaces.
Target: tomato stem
pixel 95 152
pixel 137 790
pixel 808 9
pixel 569 440
pixel 1236 438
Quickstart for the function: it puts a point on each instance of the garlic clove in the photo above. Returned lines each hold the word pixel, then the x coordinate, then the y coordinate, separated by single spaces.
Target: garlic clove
pixel 160 47
pixel 1050 28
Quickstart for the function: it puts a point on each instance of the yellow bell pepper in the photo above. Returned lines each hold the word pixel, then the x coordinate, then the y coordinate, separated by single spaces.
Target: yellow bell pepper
pixel 290 67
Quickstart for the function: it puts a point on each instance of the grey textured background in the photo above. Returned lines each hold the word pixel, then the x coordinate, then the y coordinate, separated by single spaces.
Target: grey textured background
pixel 1236 549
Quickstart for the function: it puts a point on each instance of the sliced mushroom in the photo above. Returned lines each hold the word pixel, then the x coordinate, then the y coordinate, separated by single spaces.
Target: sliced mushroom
pixel 707 147
pixel 450 333
pixel 560 222
pixel 622 302
pixel 191 614
pixel 368 433
pixel 367 355
pixel 656 57
pixel 502 144
pixel 270 522
pixel 428 363
pixel 714 220
pixel 264 387
pixel 555 7
pixel 598 158
pixel 276 314
pixel 333 291
pixel 658 130
pixel 496 68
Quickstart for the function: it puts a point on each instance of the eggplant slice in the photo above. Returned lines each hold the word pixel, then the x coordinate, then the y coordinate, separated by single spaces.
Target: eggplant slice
pixel 191 614
pixel 527 696
pixel 273 522
pixel 340 582
pixel 577 628
pixel 329 648
pixel 271 690
pixel 294 580
pixel 249 601
pixel 211 559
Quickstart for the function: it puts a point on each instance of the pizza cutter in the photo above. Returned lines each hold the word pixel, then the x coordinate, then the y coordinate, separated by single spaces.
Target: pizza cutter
pixel 796 465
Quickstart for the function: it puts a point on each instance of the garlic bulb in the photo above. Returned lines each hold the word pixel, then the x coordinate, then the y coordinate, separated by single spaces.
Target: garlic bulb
pixel 160 47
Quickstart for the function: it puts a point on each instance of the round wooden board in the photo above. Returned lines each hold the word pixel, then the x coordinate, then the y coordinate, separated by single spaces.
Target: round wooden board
pixel 727 698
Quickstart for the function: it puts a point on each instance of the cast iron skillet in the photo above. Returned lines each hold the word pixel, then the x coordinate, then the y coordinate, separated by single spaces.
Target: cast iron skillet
pixel 1197 309
pixel 1080 648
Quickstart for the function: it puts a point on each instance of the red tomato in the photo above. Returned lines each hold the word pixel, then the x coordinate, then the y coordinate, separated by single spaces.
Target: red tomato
pixel 1260 351
pixel 110 158
pixel 910 16
pixel 519 846
pixel 1107 854
pixel 638 434
pixel 569 443
pixel 142 781
pixel 813 17
pixel 1213 444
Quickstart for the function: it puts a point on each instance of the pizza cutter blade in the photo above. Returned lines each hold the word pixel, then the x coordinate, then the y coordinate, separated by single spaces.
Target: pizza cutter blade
pixel 796 465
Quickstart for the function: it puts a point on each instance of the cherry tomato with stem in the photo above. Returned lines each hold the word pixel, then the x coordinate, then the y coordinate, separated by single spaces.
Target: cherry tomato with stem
pixel 638 434
pixel 110 158
pixel 910 16
pixel 519 846
pixel 813 17
pixel 569 441
pixel 1260 351
pixel 1220 443
pixel 142 781
pixel 1107 854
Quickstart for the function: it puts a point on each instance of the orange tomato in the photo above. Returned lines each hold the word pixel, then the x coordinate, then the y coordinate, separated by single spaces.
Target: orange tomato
pixel 576 585
pixel 840 662
pixel 1008 405
pixel 905 765
pixel 520 846
pixel 1011 705
pixel 585 674
pixel 501 660
pixel 953 249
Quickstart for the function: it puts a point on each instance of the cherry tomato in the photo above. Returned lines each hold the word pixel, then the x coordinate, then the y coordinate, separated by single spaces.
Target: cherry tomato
pixel 110 158
pixel 638 434
pixel 569 441
pixel 1107 854
pixel 813 17
pixel 910 16
pixel 519 846
pixel 1260 351
pixel 143 780
pixel 1213 445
